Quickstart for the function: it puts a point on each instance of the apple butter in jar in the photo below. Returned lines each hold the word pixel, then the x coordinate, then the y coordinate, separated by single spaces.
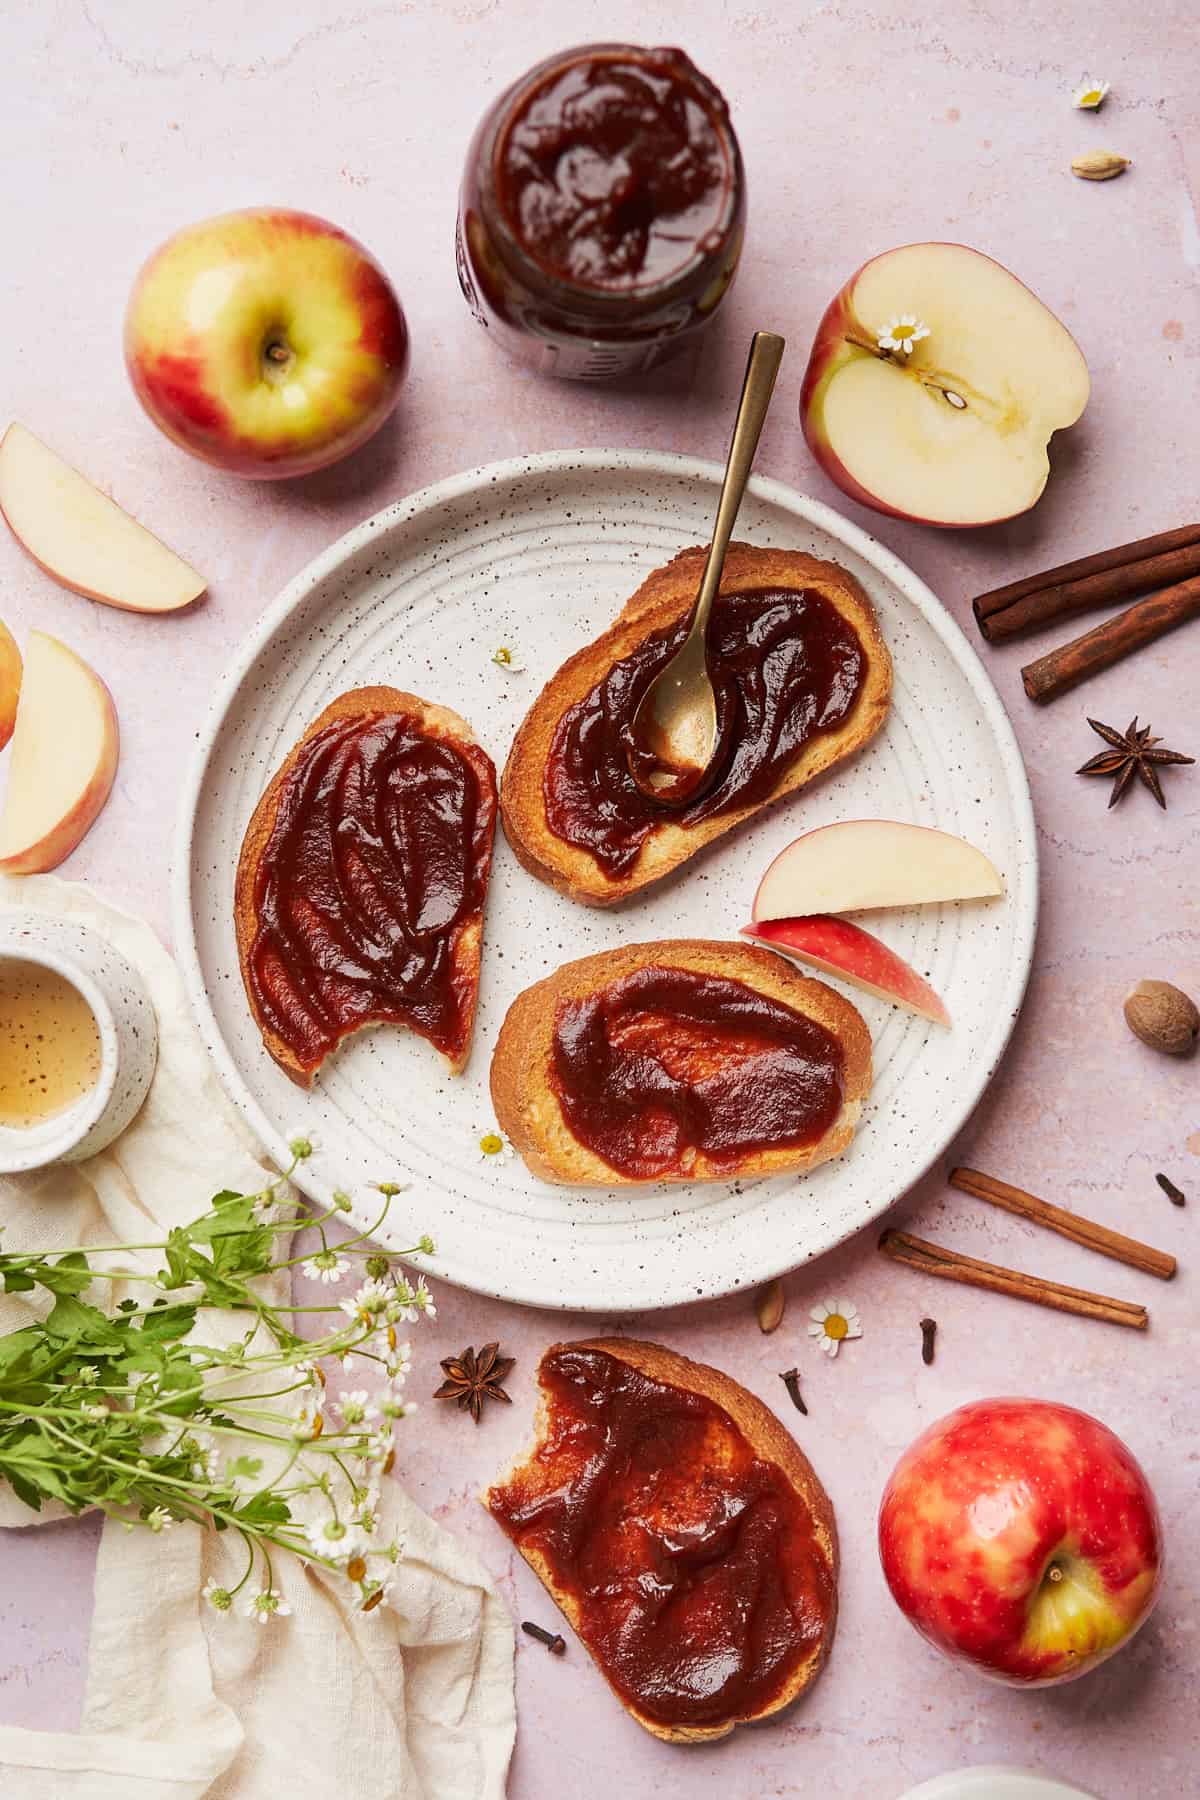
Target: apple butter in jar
pixel 602 211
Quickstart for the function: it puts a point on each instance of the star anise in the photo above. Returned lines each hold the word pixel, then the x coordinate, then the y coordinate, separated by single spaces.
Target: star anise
pixel 472 1379
pixel 1133 753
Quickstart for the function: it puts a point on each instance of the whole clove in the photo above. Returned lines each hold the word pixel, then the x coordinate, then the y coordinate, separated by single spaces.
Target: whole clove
pixel 554 1641
pixel 928 1333
pixel 1175 1195
pixel 791 1381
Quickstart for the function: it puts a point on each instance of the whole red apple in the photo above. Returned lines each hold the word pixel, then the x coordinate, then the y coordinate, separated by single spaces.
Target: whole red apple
pixel 1021 1536
pixel 267 342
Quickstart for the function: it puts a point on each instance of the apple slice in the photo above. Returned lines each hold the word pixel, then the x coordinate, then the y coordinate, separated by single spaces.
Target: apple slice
pixel 840 948
pixel 82 538
pixel 866 863
pixel 952 430
pixel 64 758
pixel 10 682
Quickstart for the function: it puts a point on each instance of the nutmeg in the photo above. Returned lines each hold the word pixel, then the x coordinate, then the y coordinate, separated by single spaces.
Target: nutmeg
pixel 1163 1016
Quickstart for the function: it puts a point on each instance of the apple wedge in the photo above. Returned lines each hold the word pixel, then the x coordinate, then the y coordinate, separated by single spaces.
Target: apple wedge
pixel 934 384
pixel 866 863
pixel 840 948
pixel 82 538
pixel 10 682
pixel 64 758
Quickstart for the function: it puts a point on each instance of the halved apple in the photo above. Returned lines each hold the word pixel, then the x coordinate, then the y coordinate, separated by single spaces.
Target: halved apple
pixel 64 758
pixel 840 948
pixel 84 539
pixel 950 425
pixel 10 682
pixel 866 863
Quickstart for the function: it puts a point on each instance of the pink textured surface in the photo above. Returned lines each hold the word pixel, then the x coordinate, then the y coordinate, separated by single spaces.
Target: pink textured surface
pixel 862 127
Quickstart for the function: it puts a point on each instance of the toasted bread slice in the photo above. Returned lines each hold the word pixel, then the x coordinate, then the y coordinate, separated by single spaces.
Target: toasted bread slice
pixel 661 601
pixel 675 1497
pixel 465 936
pixel 527 1105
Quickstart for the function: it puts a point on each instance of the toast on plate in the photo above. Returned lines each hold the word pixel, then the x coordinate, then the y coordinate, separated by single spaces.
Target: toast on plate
pixel 683 1060
pixel 680 1530
pixel 362 879
pixel 802 683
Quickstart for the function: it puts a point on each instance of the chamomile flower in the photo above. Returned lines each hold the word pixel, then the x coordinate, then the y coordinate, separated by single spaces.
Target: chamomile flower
pixel 218 1597
pixel 335 1538
pixel 389 1189
pixel 87 1375
pixel 833 1322
pixel 403 1304
pixel 398 1409
pixel 303 1143
pixel 1090 95
pixel 325 1266
pixel 375 1594
pixel 379 1446
pixel 423 1299
pixel 310 1372
pixel 357 1407
pixel 308 1419
pixel 504 658
pixel 266 1605
pixel 494 1147
pixel 159 1519
pixel 399 1364
pixel 368 1303
pixel 901 333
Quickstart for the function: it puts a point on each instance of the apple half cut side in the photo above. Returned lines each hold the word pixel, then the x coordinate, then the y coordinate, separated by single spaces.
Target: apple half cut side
pixel 839 948
pixel 84 539
pixel 64 758
pixel 862 864
pixel 10 682
pixel 953 429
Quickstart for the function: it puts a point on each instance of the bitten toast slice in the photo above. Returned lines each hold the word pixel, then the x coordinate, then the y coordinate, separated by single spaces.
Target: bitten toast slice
pixel 660 602
pixel 362 880
pixel 529 1109
pixel 662 1543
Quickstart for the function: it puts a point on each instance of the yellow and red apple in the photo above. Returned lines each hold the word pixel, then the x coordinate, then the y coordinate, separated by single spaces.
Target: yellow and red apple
pixel 82 538
pixel 934 384
pixel 1022 1537
pixel 837 947
pixel 63 762
pixel 10 682
pixel 267 342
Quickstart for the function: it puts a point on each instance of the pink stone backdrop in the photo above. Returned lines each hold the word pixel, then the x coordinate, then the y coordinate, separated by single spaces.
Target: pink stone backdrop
pixel 863 127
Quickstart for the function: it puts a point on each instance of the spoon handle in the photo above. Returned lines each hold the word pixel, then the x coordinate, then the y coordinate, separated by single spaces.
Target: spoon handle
pixel 762 366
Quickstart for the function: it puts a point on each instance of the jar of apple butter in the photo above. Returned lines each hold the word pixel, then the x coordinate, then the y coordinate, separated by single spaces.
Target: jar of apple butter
pixel 602 211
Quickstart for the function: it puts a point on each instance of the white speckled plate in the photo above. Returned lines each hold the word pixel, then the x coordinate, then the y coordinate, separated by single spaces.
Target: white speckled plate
pixel 541 554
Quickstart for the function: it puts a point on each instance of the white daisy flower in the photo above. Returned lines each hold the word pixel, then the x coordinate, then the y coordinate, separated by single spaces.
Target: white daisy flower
pixel 335 1538
pixel 88 1375
pixel 303 1143
pixel 1090 95
pixel 399 1364
pixel 308 1419
pixel 325 1266
pixel 357 1407
pixel 901 333
pixel 833 1322
pixel 494 1147
pixel 423 1299
pixel 218 1597
pixel 159 1519
pixel 504 658
pixel 367 1304
pixel 379 1445
pixel 375 1595
pixel 402 1306
pixel 310 1372
pixel 266 1605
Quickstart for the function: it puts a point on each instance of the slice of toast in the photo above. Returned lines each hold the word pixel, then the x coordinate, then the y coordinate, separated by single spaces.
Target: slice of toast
pixel 314 997
pixel 679 1491
pixel 527 1105
pixel 661 601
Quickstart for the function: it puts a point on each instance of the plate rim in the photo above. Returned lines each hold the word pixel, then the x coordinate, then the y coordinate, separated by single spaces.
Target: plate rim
pixel 596 461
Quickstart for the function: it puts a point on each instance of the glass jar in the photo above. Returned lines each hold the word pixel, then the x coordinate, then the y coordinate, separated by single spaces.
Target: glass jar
pixel 602 211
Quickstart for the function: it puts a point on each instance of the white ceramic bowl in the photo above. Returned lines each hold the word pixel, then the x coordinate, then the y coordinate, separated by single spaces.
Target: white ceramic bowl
pixel 994 1783
pixel 124 1015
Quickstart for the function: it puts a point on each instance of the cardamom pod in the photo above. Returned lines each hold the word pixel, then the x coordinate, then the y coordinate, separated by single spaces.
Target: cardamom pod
pixel 1099 165
pixel 770 1305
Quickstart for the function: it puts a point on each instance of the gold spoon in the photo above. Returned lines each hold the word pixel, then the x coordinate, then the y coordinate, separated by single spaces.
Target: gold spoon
pixel 672 738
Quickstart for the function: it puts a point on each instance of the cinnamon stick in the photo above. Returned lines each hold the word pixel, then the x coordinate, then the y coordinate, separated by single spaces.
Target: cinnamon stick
pixel 1064 668
pixel 1060 598
pixel 952 1265
pixel 1123 557
pixel 1068 1224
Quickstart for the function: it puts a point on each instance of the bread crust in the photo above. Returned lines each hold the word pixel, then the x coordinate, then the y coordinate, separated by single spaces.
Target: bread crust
pixel 662 599
pixel 436 721
pixel 769 1441
pixel 527 1107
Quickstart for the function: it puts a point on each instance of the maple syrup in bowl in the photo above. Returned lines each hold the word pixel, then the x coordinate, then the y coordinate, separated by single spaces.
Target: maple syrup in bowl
pixel 78 1041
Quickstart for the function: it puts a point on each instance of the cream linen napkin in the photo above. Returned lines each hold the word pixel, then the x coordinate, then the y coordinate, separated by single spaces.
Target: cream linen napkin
pixel 411 1702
